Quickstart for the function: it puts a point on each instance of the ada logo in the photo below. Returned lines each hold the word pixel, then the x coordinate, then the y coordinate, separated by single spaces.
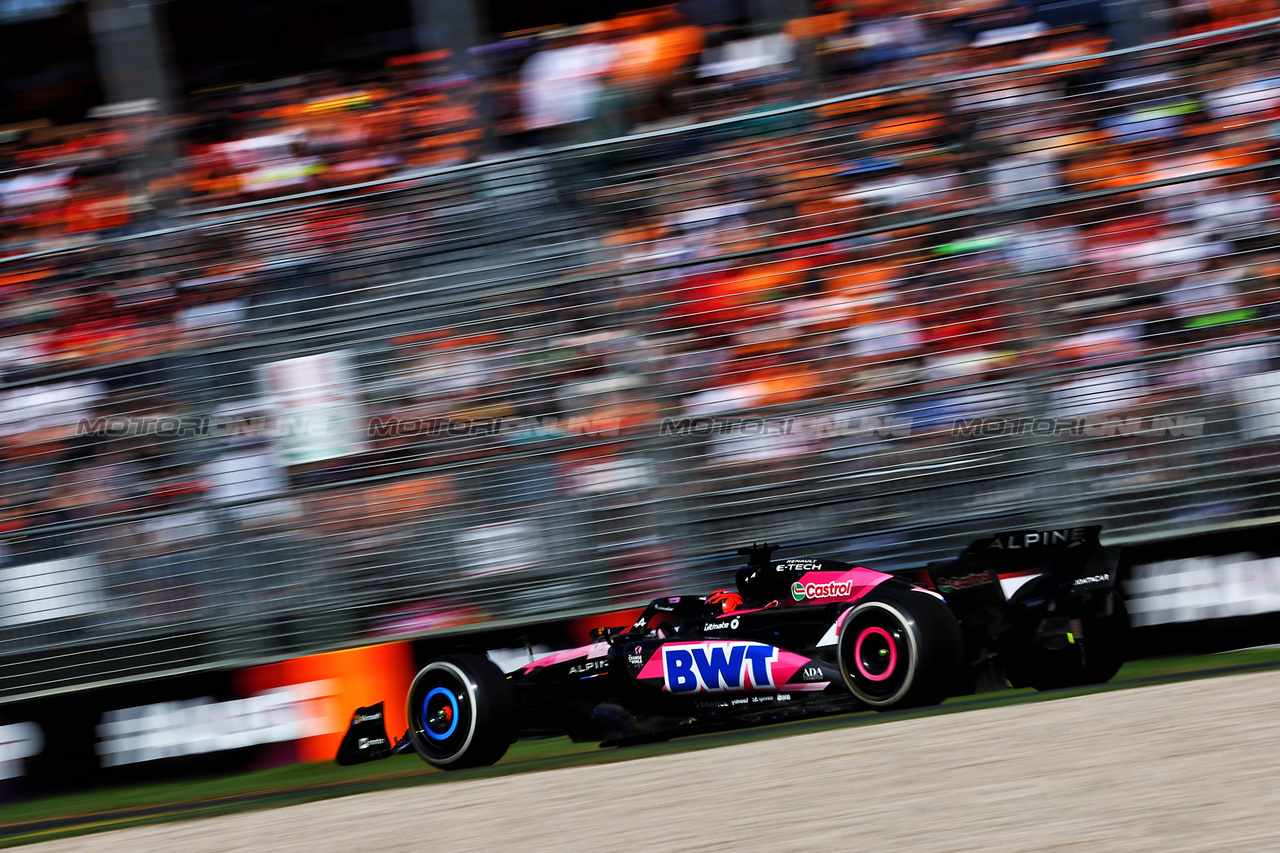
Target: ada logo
pixel 718 667
pixel 835 589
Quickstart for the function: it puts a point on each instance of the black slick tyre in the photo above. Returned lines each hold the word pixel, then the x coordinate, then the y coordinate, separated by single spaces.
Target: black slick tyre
pixel 1050 662
pixel 461 712
pixel 900 649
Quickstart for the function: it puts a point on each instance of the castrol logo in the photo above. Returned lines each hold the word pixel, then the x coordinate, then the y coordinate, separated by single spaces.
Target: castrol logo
pixel 834 589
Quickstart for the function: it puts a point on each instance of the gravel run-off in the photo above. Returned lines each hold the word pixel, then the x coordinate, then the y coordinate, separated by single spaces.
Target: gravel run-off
pixel 1187 766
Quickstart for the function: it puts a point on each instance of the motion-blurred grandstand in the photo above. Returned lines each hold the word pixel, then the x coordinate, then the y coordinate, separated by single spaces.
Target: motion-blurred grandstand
pixel 438 325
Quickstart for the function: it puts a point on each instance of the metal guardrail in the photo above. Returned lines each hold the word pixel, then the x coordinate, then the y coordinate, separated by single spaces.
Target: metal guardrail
pixel 875 325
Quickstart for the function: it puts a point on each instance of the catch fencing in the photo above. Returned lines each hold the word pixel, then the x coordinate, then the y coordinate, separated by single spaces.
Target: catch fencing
pixel 872 326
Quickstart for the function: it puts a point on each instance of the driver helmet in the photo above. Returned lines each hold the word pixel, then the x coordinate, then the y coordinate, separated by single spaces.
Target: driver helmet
pixel 727 599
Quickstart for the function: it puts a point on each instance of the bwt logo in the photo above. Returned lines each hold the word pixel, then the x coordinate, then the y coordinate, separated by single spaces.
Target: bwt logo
pixel 718 667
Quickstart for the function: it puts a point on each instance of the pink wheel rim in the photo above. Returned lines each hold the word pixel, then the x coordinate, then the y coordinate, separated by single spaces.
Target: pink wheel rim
pixel 857 653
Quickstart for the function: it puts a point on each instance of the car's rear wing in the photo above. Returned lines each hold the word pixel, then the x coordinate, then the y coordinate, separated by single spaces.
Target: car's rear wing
pixel 1019 550
pixel 974 582
pixel 1074 556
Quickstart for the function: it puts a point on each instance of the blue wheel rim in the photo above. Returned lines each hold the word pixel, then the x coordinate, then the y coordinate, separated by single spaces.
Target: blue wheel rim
pixel 453 722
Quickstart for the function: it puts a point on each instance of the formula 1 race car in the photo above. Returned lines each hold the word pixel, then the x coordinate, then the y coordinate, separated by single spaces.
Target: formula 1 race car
pixel 797 637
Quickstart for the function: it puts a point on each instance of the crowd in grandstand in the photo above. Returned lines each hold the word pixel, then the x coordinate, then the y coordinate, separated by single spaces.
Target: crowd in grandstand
pixel 114 172
pixel 1055 215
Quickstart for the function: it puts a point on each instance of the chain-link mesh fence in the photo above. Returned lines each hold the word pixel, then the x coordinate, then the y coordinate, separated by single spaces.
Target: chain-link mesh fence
pixel 874 326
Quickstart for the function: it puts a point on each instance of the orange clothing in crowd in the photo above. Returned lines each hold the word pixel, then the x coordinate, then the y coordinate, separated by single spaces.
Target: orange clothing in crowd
pixel 654 57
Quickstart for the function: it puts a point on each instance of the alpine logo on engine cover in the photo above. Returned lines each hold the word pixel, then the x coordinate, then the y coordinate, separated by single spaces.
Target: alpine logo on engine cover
pixel 718 667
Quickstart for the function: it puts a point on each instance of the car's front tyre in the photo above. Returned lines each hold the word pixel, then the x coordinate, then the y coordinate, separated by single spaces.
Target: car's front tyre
pixel 461 712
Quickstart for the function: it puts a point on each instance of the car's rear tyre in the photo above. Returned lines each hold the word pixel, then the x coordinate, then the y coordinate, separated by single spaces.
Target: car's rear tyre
pixel 461 712
pixel 1093 657
pixel 900 649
